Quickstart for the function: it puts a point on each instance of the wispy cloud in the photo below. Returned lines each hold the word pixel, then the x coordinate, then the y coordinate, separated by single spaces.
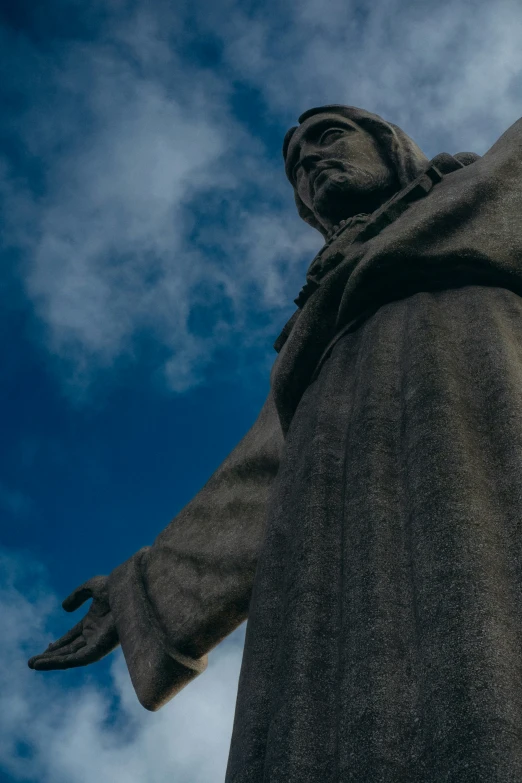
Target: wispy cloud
pixel 448 73
pixel 54 733
pixel 131 139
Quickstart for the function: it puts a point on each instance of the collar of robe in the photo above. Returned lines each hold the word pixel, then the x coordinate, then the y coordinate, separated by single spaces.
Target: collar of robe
pixel 361 227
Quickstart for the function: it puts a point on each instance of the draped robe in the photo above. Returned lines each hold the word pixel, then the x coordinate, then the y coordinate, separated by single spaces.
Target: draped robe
pixel 369 525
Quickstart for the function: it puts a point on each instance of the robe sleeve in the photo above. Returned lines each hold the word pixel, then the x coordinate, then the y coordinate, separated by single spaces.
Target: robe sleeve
pixel 176 600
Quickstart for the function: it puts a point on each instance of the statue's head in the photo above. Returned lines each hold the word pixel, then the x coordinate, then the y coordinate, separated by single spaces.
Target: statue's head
pixel 342 161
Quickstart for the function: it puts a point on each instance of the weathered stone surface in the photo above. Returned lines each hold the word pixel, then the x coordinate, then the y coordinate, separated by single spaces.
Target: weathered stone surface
pixel 369 524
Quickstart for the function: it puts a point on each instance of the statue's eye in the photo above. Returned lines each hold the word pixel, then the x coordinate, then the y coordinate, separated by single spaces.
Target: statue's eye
pixel 331 135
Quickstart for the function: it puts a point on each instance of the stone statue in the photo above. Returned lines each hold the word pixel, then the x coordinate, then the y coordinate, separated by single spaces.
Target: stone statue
pixel 369 525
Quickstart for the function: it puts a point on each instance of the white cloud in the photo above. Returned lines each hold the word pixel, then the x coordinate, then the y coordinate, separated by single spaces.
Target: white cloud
pixel 447 72
pixel 52 732
pixel 130 139
pixel 106 248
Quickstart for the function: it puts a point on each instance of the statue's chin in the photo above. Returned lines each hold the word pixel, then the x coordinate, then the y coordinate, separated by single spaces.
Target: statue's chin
pixel 336 199
pixel 340 196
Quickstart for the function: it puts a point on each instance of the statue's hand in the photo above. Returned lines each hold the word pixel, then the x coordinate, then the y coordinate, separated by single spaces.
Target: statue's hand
pixel 89 640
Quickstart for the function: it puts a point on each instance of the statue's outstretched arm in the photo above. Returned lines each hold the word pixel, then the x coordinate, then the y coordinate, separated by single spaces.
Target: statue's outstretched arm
pixel 173 602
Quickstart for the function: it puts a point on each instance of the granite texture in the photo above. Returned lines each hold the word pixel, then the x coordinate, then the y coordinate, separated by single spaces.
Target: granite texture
pixel 384 640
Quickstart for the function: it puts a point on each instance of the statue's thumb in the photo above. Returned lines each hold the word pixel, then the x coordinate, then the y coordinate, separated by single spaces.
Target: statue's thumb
pixel 93 588
pixel 77 597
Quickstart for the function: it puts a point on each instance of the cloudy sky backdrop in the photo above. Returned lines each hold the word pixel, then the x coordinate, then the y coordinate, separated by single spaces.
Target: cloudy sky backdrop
pixel 150 255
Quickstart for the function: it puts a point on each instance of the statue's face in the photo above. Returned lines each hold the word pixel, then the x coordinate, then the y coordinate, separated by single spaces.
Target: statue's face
pixel 338 169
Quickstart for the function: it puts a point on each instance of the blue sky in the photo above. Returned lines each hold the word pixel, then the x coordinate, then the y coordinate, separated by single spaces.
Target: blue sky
pixel 150 255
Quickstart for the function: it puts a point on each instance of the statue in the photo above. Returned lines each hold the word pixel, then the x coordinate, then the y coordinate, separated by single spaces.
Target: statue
pixel 369 525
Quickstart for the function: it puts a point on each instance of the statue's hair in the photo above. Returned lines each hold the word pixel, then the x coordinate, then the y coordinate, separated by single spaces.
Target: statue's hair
pixel 398 149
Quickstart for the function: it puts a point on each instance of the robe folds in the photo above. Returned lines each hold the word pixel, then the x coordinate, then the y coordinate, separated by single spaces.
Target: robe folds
pixel 369 525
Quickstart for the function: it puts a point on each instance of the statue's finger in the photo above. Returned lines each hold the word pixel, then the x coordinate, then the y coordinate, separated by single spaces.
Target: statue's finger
pixel 68 637
pixel 77 597
pixel 81 657
pixel 67 649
